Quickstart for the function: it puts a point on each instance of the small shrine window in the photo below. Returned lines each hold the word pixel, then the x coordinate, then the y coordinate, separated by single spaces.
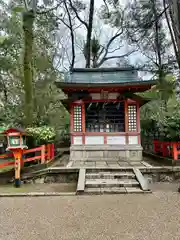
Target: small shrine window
pixel 132 118
pixel 77 118
pixel 105 117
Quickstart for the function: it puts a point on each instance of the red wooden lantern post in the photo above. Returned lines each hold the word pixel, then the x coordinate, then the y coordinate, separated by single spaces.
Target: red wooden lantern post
pixel 16 143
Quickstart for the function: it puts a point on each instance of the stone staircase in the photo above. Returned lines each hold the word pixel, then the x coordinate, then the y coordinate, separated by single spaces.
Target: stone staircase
pixel 112 181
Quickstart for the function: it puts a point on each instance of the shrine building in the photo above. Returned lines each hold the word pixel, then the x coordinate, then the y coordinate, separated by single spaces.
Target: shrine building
pixel 104 113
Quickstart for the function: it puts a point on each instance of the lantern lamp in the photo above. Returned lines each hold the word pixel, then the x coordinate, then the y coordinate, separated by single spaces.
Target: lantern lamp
pixel 16 139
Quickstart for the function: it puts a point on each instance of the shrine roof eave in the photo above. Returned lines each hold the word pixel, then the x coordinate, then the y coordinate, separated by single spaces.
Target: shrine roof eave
pixel 113 69
pixel 142 100
pixel 125 85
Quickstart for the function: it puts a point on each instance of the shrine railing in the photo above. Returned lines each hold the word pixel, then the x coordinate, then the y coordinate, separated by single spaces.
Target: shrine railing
pixel 45 154
pixel 167 149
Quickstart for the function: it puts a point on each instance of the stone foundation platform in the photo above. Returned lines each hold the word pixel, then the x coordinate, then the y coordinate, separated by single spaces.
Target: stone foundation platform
pixel 105 153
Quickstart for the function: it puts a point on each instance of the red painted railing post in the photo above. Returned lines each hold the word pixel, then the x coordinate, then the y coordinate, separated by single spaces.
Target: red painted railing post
pixel 52 151
pixel 174 151
pixel 43 149
pixel 48 152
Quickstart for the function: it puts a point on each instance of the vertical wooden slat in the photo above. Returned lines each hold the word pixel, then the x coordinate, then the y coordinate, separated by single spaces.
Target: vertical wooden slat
pixel 83 117
pixel 72 118
pixel 72 123
pixel 138 123
pixel 72 139
pixel 126 120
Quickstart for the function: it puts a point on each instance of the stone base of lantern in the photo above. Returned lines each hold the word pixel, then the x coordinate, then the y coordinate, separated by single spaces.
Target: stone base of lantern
pixel 106 153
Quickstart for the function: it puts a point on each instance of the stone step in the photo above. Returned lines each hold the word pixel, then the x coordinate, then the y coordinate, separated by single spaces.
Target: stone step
pixel 110 175
pixel 114 190
pixel 109 170
pixel 103 159
pixel 111 183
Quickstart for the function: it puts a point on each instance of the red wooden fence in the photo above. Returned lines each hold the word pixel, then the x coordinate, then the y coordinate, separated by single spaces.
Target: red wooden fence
pixel 46 154
pixel 167 149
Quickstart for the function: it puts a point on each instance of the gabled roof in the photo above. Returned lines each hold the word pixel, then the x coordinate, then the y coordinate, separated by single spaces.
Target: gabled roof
pixel 100 77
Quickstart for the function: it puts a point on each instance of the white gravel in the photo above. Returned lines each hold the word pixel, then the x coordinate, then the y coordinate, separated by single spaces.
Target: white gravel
pixel 123 217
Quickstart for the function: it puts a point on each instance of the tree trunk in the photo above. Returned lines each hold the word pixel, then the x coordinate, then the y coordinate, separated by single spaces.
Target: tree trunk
pixel 89 33
pixel 171 30
pixel 174 12
pixel 28 21
pixel 72 36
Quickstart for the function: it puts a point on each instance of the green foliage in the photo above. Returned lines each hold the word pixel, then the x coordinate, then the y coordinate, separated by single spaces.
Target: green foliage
pixel 155 116
pixel 42 135
pixel 161 95
pixel 169 125
pixel 18 9
pixel 113 13
pixel 161 115
pixel 2 39
pixel 48 109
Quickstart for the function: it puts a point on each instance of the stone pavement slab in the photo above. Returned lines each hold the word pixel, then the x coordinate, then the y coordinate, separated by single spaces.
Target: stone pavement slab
pixel 114 165
pixel 119 217
pixel 110 164
pixel 123 164
pixel 90 164
pixel 101 164
pixel 133 190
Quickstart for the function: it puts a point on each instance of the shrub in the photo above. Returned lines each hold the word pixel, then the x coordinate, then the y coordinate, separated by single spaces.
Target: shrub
pixel 42 135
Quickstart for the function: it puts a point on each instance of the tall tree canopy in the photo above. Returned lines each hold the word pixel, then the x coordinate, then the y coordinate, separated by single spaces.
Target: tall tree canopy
pixel 39 39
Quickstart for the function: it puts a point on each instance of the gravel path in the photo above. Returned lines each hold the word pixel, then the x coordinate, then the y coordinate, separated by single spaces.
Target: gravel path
pixel 123 217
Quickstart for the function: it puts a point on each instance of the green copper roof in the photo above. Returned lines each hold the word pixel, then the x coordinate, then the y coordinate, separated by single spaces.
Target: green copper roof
pixel 101 75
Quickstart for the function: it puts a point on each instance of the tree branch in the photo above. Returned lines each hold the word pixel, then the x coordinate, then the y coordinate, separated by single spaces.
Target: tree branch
pixel 114 57
pixel 26 4
pixel 171 31
pixel 34 5
pixel 106 6
pixel 157 17
pixel 107 47
pixel 115 49
pixel 49 10
pixel 62 20
pixel 78 17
